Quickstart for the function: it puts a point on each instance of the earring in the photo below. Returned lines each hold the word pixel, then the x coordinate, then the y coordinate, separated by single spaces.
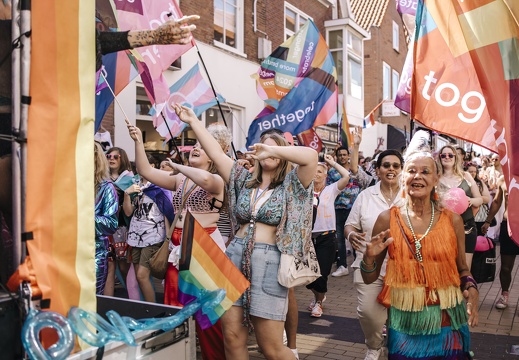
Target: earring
pixel 403 193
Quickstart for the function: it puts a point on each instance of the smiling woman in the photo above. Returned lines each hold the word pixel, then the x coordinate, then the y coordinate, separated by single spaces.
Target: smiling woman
pixel 427 276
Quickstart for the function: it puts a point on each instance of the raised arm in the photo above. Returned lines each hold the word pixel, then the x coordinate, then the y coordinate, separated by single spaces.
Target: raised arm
pixel 223 163
pixel 156 176
pixel 354 156
pixel 345 174
pixel 212 183
pixel 171 32
pixel 303 156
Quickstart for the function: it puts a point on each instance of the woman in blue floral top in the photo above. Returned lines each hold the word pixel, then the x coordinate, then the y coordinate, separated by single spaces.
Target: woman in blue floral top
pixel 271 213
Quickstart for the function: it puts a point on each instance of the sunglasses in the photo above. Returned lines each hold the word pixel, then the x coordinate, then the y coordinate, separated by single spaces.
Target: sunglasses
pixel 395 165
pixel 114 156
pixel 448 155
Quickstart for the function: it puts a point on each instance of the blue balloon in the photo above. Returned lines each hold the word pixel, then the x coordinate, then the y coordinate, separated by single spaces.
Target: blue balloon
pixel 37 321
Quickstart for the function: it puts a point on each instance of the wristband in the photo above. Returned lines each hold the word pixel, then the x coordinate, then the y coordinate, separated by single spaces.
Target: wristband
pixel 363 269
pixel 488 222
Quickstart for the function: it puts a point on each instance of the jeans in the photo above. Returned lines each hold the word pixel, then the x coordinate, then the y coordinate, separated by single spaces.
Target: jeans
pixel 341 215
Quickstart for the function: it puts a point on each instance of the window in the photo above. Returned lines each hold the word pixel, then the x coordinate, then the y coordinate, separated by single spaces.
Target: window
pixel 355 44
pixel 294 19
pixel 335 44
pixel 386 81
pixel 396 36
pixel 355 78
pixel 395 80
pixel 228 24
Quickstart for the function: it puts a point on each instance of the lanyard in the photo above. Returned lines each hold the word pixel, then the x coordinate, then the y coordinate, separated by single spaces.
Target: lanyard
pixel 255 197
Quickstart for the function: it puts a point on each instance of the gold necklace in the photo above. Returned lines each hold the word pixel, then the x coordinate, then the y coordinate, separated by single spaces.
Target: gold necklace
pixel 417 242
pixel 390 198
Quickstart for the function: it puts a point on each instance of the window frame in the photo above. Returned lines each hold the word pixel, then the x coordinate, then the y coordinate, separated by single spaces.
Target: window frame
pixel 386 80
pixel 286 32
pixel 240 31
pixel 396 37
pixel 394 84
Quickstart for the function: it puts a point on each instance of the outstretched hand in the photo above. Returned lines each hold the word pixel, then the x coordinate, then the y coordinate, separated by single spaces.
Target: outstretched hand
pixel 187 115
pixel 260 151
pixel 378 243
pixel 175 31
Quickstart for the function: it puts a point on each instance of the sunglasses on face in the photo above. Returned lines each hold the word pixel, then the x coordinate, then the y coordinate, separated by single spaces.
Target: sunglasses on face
pixel 445 156
pixel 395 165
pixel 113 156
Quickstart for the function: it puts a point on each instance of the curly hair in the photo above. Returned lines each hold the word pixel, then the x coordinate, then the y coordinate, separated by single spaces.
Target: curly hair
pixel 222 134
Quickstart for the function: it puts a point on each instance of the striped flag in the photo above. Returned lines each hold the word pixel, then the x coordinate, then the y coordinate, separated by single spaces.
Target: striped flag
pixel 466 79
pixel 204 266
pixel 346 135
pixel 298 83
pixel 369 120
pixel 60 155
pixel 190 90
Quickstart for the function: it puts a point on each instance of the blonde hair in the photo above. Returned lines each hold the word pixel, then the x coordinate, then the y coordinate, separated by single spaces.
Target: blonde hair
pixel 100 166
pixel 281 171
pixel 221 134
pixel 458 165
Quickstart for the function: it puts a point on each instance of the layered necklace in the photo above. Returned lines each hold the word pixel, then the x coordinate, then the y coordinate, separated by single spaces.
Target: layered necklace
pixel 417 242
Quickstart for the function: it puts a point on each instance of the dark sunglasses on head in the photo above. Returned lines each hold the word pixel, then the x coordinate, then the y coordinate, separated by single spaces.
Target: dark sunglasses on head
pixel 395 165
pixel 113 156
pixel 448 155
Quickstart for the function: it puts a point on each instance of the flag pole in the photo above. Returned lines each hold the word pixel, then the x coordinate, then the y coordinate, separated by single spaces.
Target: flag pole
pixel 171 137
pixel 216 97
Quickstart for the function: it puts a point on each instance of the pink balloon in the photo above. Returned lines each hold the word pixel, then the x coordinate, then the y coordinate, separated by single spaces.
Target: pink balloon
pixel 456 200
pixel 483 244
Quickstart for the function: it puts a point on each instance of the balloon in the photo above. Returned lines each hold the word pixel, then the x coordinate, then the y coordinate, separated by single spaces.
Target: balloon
pixel 456 200
pixel 39 320
pixel 483 244
pixel 119 328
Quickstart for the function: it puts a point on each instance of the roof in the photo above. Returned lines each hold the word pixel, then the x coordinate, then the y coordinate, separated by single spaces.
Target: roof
pixel 369 12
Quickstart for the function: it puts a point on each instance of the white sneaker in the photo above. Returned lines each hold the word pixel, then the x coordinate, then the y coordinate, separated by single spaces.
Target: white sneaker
pixel 296 354
pixel 373 354
pixel 341 271
pixel 285 339
pixel 317 311
pixel 312 303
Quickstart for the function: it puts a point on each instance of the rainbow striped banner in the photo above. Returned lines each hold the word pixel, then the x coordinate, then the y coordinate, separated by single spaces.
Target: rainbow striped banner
pixel 466 78
pixel 204 266
pixel 60 164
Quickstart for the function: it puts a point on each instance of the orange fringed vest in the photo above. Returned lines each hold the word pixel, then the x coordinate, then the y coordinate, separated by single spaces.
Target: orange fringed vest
pixel 410 285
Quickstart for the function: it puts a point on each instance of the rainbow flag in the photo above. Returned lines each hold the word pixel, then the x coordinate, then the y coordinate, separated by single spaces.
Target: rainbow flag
pixel 346 136
pixel 60 155
pixel 298 83
pixel 466 78
pixel 204 266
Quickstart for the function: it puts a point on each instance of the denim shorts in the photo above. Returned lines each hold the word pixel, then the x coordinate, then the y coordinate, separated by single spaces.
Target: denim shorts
pixel 269 300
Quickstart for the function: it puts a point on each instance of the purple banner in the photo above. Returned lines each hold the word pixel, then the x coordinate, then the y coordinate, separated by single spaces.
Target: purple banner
pixel 406 6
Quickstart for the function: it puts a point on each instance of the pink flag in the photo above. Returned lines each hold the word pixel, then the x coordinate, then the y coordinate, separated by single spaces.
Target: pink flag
pixel 150 14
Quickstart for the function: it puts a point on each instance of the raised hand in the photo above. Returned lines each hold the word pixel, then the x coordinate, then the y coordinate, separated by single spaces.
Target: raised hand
pixel 174 166
pixel 329 159
pixel 185 114
pixel 175 31
pixel 260 151
pixel 135 133
pixel 357 135
pixel 378 244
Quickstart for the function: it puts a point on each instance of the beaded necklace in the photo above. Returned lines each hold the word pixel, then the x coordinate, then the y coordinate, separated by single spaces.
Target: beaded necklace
pixel 417 242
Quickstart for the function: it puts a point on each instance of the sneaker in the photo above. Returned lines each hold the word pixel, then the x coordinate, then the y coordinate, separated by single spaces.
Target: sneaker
pixel 285 339
pixel 296 354
pixel 502 303
pixel 317 311
pixel 341 271
pixel 312 303
pixel 373 354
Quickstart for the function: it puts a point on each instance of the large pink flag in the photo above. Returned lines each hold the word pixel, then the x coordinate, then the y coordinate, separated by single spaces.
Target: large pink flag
pixel 150 14
pixel 466 79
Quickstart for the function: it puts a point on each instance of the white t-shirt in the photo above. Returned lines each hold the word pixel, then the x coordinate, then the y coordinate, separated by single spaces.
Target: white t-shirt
pixel 325 220
pixel 364 213
pixel 147 225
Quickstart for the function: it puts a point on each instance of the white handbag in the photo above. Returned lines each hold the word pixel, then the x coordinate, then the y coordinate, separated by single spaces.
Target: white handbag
pixel 293 272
